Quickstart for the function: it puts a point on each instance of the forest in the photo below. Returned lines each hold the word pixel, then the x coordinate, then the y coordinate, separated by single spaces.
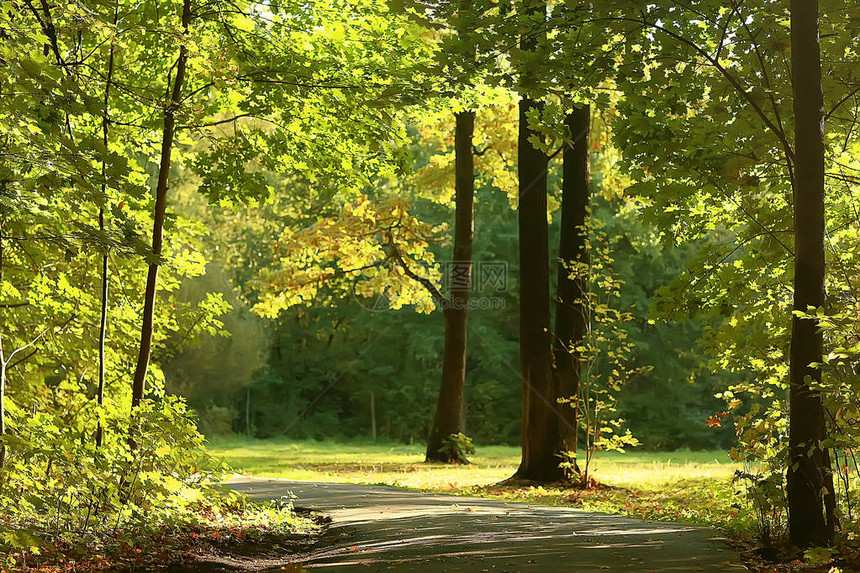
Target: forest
pixel 569 229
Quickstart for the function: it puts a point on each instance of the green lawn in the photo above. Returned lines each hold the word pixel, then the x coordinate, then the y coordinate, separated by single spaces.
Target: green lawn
pixel 680 486
pixel 402 465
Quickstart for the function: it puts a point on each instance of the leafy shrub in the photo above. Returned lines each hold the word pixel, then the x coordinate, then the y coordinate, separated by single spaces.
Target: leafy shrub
pixel 457 446
pixel 60 489
pixel 765 495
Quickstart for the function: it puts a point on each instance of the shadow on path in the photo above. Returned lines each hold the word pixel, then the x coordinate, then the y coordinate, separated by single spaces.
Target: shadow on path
pixel 379 528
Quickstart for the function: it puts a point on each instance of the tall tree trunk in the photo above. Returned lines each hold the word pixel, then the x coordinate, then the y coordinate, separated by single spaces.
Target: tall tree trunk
pixel 540 430
pixel 449 417
pixel 809 479
pixel 139 384
pixel 2 367
pixel 2 409
pixel 372 415
pixel 100 396
pixel 571 312
pixel 248 411
pixel 540 427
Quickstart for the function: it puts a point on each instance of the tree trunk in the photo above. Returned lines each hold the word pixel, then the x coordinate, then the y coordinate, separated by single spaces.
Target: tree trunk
pixel 540 428
pixel 100 396
pixel 809 479
pixel 2 367
pixel 571 311
pixel 139 384
pixel 2 409
pixel 248 410
pixel 449 417
pixel 373 416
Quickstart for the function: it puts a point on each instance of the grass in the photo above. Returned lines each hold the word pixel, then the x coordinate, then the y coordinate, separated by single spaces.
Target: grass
pixel 691 487
pixel 402 465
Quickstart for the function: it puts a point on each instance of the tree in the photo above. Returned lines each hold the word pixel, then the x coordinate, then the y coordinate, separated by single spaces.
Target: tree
pixel 738 127
pixel 5 361
pixel 809 480
pixel 571 313
pixel 540 429
pixel 167 135
pixel 450 408
pixel 64 170
pixel 449 419
pixel 105 287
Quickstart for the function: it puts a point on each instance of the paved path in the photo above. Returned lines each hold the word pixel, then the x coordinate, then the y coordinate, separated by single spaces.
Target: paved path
pixel 379 528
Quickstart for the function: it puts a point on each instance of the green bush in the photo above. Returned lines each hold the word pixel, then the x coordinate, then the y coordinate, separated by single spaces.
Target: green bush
pixel 457 446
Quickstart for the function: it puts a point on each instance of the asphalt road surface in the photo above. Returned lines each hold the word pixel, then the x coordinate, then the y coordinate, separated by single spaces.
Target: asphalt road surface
pixel 379 528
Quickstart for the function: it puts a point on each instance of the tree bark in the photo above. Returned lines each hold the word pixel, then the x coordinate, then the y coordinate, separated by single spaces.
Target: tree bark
pixel 540 422
pixel 248 410
pixel 2 409
pixel 809 479
pixel 2 367
pixel 571 311
pixel 100 395
pixel 139 384
pixel 373 416
pixel 449 418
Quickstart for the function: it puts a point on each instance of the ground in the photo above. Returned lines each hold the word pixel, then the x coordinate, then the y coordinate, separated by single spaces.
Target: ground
pixel 694 488
pixel 379 528
pixel 683 486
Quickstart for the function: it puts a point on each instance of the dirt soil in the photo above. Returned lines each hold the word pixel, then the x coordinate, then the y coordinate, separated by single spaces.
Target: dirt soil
pixel 271 552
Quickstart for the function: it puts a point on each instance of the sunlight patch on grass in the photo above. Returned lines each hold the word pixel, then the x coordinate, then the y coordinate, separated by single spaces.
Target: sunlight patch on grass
pixel 403 465
pixel 692 487
pixel 361 462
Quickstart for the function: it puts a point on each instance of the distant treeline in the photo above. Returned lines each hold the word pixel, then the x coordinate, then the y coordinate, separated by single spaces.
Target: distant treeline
pixel 337 370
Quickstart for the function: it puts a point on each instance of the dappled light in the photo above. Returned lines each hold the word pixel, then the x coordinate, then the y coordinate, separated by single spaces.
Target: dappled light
pixel 383 527
pixel 490 285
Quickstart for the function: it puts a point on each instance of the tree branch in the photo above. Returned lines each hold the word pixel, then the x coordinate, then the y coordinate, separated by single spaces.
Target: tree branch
pixel 840 102
pixel 214 123
pixel 735 83
pixel 438 297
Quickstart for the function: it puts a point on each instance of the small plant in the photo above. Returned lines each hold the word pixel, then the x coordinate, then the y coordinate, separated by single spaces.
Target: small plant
pixel 606 356
pixel 458 447
pixel 765 495
pixel 818 556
